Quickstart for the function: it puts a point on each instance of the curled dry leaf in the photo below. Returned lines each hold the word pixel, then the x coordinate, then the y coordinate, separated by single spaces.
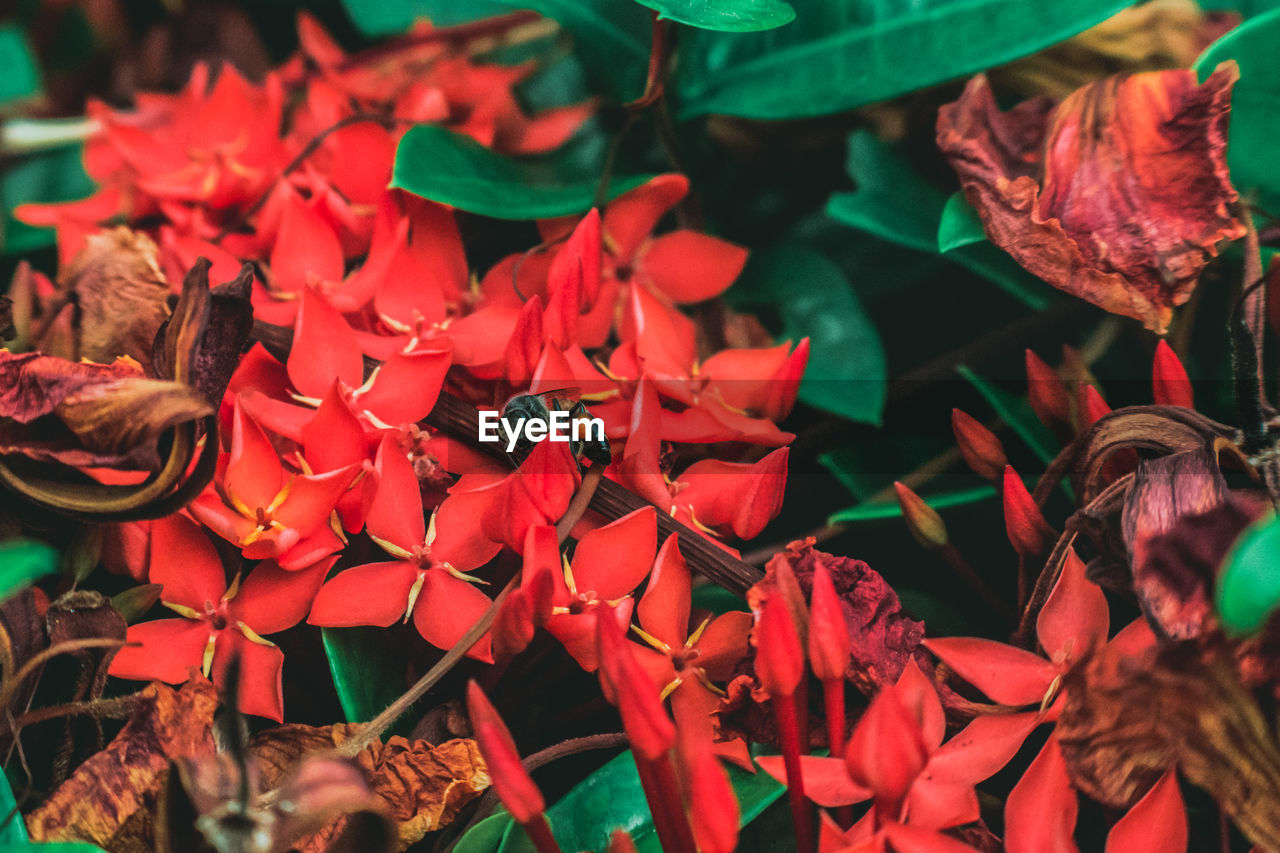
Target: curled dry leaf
pixel 110 800
pixel 1208 724
pixel 423 786
pixel 120 297
pixel 1119 194
pixel 52 409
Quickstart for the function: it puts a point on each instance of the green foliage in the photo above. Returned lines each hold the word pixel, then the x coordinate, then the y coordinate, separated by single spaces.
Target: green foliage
pixel 870 511
pixel 19 77
pixel 893 202
pixel 730 16
pixel 960 224
pixel 365 673
pixel 1255 122
pixel 22 563
pixel 1016 413
pixel 846 373
pixel 1248 588
pixel 841 54
pixel 456 170
pixel 52 847
pixel 389 17
pixel 44 176
pixel 610 798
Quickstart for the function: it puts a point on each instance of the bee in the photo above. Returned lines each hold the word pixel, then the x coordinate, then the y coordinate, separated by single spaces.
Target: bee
pixel 538 407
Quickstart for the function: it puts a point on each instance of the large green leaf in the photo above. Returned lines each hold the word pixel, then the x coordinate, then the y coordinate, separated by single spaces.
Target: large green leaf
pixel 730 16
pixel 960 224
pixel 1255 121
pixel 22 563
pixel 846 372
pixel 365 673
pixel 841 54
pixel 1248 588
pixel 388 17
pixel 893 202
pixel 610 798
pixel 456 170
pixel 19 77
pixel 44 176
pixel 51 847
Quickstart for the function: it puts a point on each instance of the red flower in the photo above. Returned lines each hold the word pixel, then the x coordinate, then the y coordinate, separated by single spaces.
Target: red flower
pixel 266 511
pixel 684 666
pixel 218 621
pixel 427 580
pixel 1169 383
pixel 608 564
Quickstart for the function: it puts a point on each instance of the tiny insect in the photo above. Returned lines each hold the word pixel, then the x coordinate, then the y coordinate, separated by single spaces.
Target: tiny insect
pixel 539 407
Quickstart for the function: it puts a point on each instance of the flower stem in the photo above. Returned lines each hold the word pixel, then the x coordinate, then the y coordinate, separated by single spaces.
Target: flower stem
pixel 786 714
pixel 658 777
pixel 833 700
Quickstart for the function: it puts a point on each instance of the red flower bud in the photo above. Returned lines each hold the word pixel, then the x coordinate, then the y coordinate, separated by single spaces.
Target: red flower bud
pixel 513 625
pixel 828 633
pixel 645 720
pixel 713 808
pixel 779 657
pixel 511 782
pixel 1023 520
pixel 981 450
pixel 922 520
pixel 1049 397
pixel 1089 406
pixel 620 842
pixel 1169 383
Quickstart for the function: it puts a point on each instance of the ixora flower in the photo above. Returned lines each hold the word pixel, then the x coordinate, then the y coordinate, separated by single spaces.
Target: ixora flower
pixel 426 581
pixel 218 621
pixel 1119 194
pixel 266 511
pixel 684 665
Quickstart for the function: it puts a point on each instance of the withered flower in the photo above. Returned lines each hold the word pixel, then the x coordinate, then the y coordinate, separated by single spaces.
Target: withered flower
pixel 1119 194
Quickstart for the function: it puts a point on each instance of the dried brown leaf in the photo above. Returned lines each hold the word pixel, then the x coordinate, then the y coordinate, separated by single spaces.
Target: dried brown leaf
pixel 111 798
pixel 1128 718
pixel 423 786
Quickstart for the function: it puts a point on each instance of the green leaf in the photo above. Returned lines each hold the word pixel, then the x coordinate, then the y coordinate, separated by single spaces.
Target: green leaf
pixel 890 509
pixel 1254 121
pixel 612 798
pixel 14 832
pixel 960 224
pixel 19 77
pixel 365 673
pixel 846 373
pixel 841 54
pixel 456 170
pixel 717 599
pixel 22 563
pixel 389 17
pixel 1016 413
pixel 53 847
pixel 893 202
pixel 487 835
pixel 1248 589
pixel 730 16
pixel 44 177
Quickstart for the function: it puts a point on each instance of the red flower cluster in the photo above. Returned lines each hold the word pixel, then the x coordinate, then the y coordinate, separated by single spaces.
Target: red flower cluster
pixel 291 175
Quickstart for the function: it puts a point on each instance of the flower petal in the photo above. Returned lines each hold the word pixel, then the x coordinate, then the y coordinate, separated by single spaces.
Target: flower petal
pixel 1075 618
pixel 271 599
pixel 186 563
pixel 1040 814
pixel 447 608
pixel 688 266
pixel 407 386
pixel 169 649
pixel 826 780
pixel 1008 675
pixel 261 671
pixel 395 515
pixel 1156 823
pixel 373 594
pixel 324 348
pixel 664 609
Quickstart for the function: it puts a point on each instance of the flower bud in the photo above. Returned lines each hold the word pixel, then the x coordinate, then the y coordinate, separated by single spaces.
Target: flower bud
pixel 828 633
pixel 779 657
pixel 1169 383
pixel 1023 520
pixel 981 450
pixel 511 782
pixel 1048 396
pixel 923 521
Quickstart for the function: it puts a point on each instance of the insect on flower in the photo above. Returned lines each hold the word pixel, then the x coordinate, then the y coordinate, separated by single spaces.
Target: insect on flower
pixel 586 433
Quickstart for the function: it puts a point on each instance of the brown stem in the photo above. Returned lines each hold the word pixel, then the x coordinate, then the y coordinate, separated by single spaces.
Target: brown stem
pixel 38 660
pixel 462 32
pixel 1255 301
pixel 115 708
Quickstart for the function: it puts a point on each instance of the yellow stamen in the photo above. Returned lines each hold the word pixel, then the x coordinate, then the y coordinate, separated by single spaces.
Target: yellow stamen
pixel 671 688
pixel 233 589
pixel 461 575
pixel 182 610
pixel 651 640
pixel 392 548
pixel 206 665
pixel 281 496
pixel 431 527
pixel 568 575
pixel 697 635
pixel 414 592
pixel 253 636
